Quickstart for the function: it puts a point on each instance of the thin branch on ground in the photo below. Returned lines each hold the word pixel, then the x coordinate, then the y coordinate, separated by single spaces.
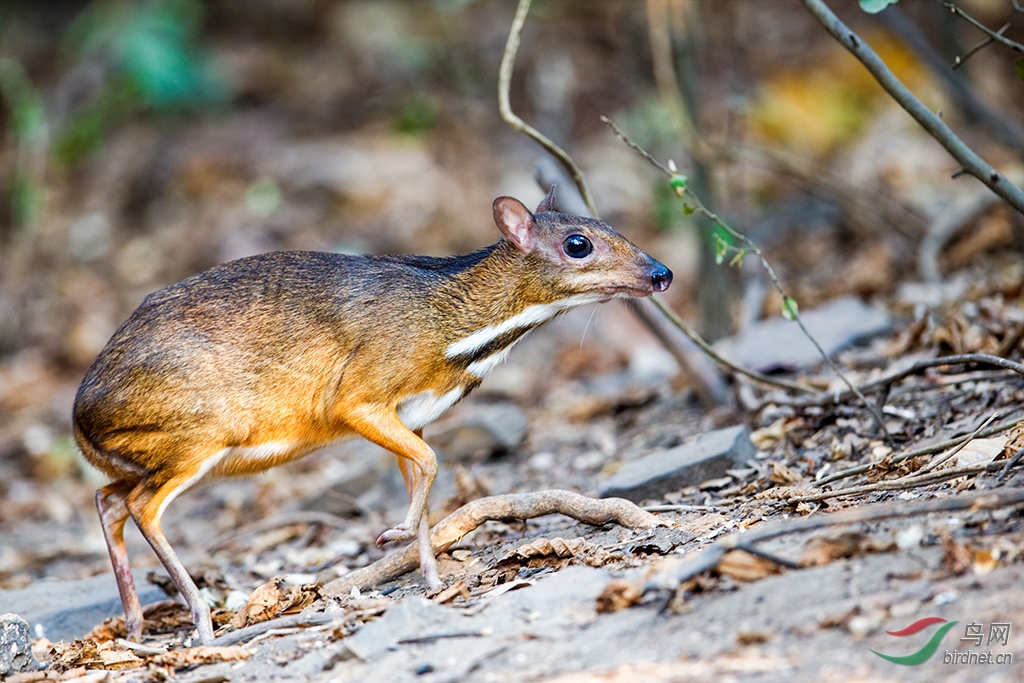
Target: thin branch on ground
pixel 508 116
pixel 925 450
pixel 1010 464
pixel 710 557
pixel 901 484
pixel 935 462
pixel 970 161
pixel 509 507
pixel 756 251
pixel 885 383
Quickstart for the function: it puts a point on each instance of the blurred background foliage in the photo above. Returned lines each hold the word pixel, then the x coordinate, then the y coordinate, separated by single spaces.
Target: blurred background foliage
pixel 145 140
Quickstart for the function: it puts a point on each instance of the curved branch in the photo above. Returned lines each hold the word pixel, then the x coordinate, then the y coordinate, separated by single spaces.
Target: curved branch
pixel 508 60
pixel 513 506
pixel 968 158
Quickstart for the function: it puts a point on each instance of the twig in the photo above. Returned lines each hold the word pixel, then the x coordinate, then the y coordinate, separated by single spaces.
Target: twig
pixel 1011 341
pixel 968 158
pixel 885 383
pixel 725 362
pixel 508 116
pixel 993 35
pixel 901 484
pixel 943 458
pixel 926 450
pixel 513 506
pixel 959 61
pixel 1007 131
pixel 756 251
pixel 711 556
pixel 291 621
pixel 1010 464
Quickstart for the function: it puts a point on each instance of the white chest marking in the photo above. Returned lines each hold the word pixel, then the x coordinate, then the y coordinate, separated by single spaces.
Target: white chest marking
pixel 419 410
pixel 531 315
pixel 481 368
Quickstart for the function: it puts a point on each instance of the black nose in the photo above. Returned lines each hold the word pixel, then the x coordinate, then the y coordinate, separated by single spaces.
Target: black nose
pixel 661 277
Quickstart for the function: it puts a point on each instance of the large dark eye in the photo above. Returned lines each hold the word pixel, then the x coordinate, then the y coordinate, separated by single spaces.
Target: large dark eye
pixel 577 246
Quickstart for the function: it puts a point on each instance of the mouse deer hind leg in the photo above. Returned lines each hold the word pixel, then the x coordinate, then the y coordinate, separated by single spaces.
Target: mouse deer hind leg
pixel 146 504
pixel 110 502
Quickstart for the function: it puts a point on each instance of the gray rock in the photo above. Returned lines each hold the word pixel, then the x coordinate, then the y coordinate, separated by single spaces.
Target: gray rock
pixel 64 610
pixel 688 465
pixel 15 646
pixel 779 344
pixel 413 617
pixel 479 431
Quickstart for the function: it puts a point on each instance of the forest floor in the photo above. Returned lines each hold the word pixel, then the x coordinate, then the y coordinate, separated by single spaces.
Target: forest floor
pixel 336 138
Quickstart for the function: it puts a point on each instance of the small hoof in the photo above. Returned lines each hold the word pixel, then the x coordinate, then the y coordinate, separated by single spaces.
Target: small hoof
pixel 399 533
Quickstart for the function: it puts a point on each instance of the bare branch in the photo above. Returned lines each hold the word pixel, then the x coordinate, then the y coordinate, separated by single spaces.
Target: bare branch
pixel 756 251
pixel 968 158
pixel 710 557
pixel 501 508
pixel 992 35
pixel 505 108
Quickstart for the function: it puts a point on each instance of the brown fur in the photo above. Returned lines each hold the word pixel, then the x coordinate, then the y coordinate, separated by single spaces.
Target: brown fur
pixel 301 349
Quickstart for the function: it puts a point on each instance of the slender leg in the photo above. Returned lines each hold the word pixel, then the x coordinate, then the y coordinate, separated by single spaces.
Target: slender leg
pixel 110 501
pixel 383 428
pixel 428 562
pixel 419 467
pixel 145 503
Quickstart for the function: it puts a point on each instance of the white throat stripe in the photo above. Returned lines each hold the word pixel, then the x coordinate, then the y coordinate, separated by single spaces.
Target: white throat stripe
pixel 531 315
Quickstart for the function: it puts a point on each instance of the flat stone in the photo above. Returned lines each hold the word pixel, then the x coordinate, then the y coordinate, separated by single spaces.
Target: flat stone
pixel 65 610
pixel 479 431
pixel 15 646
pixel 779 344
pixel 413 617
pixel 708 457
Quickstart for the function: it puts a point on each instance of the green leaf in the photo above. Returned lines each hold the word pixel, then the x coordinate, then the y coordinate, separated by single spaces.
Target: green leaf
pixel 737 260
pixel 1018 64
pixel 790 310
pixel 688 210
pixel 679 184
pixel 721 249
pixel 876 6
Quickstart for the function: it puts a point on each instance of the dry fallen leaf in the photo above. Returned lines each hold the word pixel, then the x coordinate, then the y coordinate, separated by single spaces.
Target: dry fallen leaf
pixel 979 451
pixel 1014 442
pixel 618 594
pixel 819 551
pixel 272 599
pixel 451 592
pixel 782 475
pixel 766 437
pixel 92 655
pixel 743 566
pixel 200 655
pixel 956 557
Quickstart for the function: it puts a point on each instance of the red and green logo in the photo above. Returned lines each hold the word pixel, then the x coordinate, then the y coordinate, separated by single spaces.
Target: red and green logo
pixel 930 647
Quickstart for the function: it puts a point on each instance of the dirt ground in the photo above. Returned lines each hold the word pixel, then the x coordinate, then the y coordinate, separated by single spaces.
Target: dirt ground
pixel 372 127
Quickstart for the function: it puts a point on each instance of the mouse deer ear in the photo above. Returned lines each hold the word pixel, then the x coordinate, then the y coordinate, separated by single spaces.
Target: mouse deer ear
pixel 548 203
pixel 516 223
